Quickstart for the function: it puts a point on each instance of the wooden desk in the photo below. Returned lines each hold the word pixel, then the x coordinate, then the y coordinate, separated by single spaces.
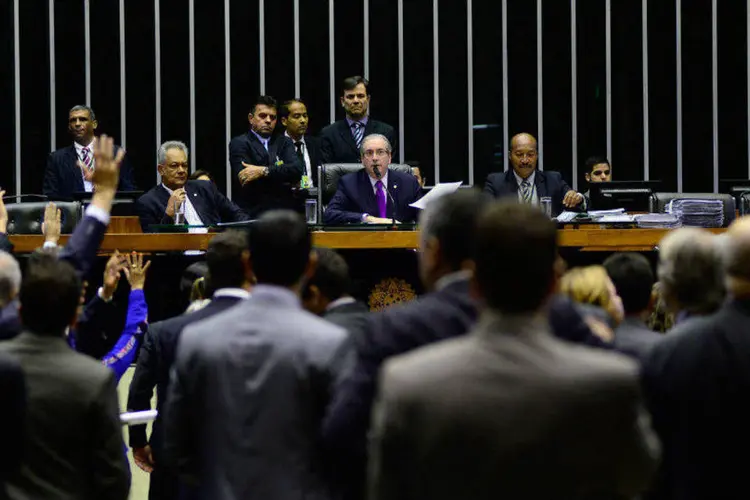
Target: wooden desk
pixel 587 239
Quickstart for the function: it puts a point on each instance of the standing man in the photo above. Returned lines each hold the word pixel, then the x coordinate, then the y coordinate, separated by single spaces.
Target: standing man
pixel 342 140
pixel 529 185
pixel 70 169
pixel 295 120
pixel 265 166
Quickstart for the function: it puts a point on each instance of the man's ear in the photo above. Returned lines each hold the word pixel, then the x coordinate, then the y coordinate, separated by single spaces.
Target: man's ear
pixel 94 124
pixel 341 101
pixel 312 265
pixel 588 177
pixel 249 118
pixel 283 120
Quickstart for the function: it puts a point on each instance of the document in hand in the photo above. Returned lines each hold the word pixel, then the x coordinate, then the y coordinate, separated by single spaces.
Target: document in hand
pixel 435 193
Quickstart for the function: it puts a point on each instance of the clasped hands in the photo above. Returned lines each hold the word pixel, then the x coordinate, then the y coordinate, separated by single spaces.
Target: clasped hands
pixel 250 173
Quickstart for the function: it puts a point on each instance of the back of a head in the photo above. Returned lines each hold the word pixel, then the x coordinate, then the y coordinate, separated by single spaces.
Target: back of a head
pixel 633 279
pixel 587 285
pixel 10 278
pixel 280 247
pixel 451 219
pixel 331 274
pixel 691 270
pixel 50 294
pixel 515 253
pixel 737 256
pixel 224 256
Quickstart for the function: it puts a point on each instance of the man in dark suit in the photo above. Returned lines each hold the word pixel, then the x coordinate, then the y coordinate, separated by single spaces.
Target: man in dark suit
pixel 529 185
pixel 70 169
pixel 633 278
pixel 201 203
pixel 72 435
pixel 265 166
pixel 294 118
pixel 342 140
pixel 509 411
pixel 229 276
pixel 374 194
pixel 696 381
pixel 13 403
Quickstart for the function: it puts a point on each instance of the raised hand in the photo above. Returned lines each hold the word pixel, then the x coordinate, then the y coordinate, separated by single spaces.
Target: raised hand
pixel 115 265
pixel 106 176
pixel 135 271
pixel 3 213
pixel 52 225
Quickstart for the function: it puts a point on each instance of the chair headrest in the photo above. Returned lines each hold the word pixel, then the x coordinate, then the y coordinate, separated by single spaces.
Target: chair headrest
pixel 27 218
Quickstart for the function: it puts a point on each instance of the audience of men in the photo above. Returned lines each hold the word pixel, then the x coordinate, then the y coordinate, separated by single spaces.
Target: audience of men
pixel 341 141
pixel 250 386
pixel 201 202
pixel 295 121
pixel 509 411
pixel 691 274
pixel 529 185
pixel 70 170
pixel 375 194
pixel 265 166
pixel 695 382
pixel 227 257
pixel 634 281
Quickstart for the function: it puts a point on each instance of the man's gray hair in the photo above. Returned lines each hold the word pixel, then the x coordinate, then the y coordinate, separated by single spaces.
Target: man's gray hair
pixel 82 107
pixel 691 270
pixel 375 136
pixel 10 278
pixel 161 156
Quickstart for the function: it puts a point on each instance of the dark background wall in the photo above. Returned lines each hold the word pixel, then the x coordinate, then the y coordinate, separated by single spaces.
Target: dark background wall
pixel 40 116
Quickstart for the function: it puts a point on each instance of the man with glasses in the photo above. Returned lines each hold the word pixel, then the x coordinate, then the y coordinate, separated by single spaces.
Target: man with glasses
pixel 528 184
pixel 200 202
pixel 376 194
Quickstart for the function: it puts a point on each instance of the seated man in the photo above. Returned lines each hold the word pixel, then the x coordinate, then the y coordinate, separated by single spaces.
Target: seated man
pixel 203 204
pixel 528 184
pixel 70 169
pixel 375 194
pixel 597 169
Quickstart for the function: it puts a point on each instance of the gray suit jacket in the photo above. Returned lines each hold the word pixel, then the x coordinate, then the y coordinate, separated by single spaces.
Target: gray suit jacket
pixel 510 412
pixel 635 339
pixel 247 398
pixel 73 446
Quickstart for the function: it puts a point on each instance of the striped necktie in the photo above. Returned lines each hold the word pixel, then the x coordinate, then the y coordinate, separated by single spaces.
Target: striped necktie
pixel 358 132
pixel 86 158
pixel 526 191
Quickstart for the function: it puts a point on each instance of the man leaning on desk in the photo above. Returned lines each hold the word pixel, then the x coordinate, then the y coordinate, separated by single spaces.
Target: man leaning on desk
pixel 375 194
pixel 528 184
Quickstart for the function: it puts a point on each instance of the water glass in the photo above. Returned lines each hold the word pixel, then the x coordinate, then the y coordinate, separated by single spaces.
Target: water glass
pixel 311 211
pixel 545 203
pixel 179 212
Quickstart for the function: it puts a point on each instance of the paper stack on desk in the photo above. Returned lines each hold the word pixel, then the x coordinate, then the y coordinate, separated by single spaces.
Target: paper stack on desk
pixel 699 213
pixel 657 221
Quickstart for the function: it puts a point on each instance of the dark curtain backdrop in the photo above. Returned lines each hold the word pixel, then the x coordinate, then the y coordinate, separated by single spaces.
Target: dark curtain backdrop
pixel 210 97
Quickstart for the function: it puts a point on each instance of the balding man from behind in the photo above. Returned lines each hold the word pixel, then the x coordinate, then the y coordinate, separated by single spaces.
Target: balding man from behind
pixel 697 381
pixel 530 185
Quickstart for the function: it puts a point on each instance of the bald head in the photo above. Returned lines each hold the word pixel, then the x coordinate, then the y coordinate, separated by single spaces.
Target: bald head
pixel 523 156
pixel 522 139
pixel 737 256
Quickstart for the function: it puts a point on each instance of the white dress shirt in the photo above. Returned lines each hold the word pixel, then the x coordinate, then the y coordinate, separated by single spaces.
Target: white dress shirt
pixel 88 186
pixel 191 215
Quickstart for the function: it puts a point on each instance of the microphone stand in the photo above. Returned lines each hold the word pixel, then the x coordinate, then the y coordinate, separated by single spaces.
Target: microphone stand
pixel 379 176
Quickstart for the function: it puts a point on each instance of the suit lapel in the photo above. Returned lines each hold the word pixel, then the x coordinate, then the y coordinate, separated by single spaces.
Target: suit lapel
pixel 77 176
pixel 199 204
pixel 258 147
pixel 540 182
pixel 367 194
pixel 346 135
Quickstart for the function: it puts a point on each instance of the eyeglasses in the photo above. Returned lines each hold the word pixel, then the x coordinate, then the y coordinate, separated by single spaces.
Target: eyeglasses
pixel 378 152
pixel 175 166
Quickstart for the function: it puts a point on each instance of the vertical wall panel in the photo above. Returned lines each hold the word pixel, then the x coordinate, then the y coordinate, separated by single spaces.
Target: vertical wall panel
pixel 279 37
pixel 349 45
pixel 105 67
pixel 314 81
pixel 69 61
pixel 34 53
pixel 522 82
pixel 697 97
pixel 7 99
pixel 210 91
pixel 244 59
pixel 175 69
pixel 383 77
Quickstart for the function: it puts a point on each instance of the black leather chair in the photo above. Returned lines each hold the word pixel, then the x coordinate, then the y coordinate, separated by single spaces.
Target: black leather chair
pixel 27 218
pixel 660 200
pixel 330 173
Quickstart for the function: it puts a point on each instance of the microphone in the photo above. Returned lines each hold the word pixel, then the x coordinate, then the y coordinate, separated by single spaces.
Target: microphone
pixel 378 175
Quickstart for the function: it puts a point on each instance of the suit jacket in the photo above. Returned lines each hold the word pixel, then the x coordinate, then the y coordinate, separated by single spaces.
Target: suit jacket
pixel 13 396
pixel 635 339
pixel 352 317
pixel 315 153
pixel 547 183
pixel 248 392
pixel 696 381
pixel 355 196
pixel 62 176
pixel 72 438
pixel 5 244
pixel 509 411
pixel 284 174
pixel 211 205
pixel 155 360
pixel 338 143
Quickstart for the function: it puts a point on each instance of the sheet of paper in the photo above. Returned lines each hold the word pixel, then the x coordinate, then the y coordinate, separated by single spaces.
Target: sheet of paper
pixel 615 218
pixel 606 212
pixel 435 193
pixel 566 216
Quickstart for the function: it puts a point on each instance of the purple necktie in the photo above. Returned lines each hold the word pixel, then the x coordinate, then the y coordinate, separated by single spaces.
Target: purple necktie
pixel 380 195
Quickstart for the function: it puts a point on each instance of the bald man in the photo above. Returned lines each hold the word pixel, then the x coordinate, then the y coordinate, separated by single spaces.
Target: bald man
pixel 697 382
pixel 528 184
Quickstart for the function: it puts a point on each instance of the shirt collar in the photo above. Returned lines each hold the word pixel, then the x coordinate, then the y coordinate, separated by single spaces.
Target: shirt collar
pixel 238 293
pixel 341 301
pixel 529 178
pixel 451 278
pixel 263 140
pixel 363 121
pixel 375 181
pixel 79 147
pixel 302 139
pixel 170 191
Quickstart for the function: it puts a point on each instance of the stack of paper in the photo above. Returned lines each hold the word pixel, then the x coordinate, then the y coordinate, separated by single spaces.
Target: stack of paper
pixel 661 221
pixel 700 213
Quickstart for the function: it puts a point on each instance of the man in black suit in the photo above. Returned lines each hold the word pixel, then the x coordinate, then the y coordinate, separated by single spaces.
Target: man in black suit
pixel 265 166
pixel 633 278
pixel 342 140
pixel 201 203
pixel 375 194
pixel 294 118
pixel 229 277
pixel 696 383
pixel 72 435
pixel 70 169
pixel 327 294
pixel 530 185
